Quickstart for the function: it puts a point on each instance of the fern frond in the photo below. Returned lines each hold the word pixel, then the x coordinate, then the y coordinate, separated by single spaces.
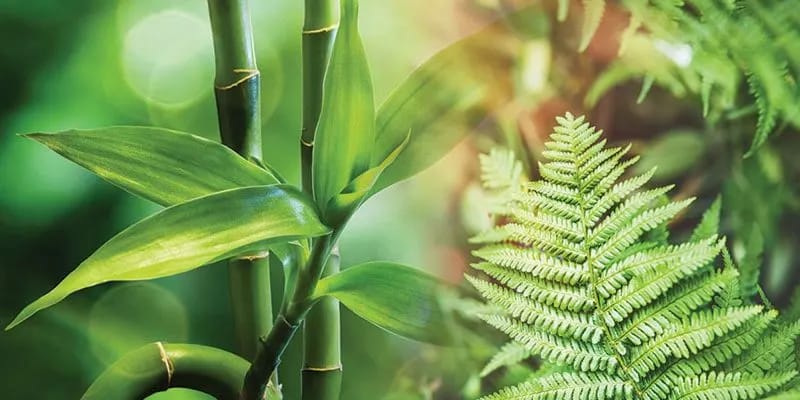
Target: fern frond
pixel 580 355
pixel 722 350
pixel 683 341
pixel 769 350
pixel 750 265
pixel 511 353
pixel 538 264
pixel 500 169
pixel 565 386
pixel 730 386
pixel 587 280
pixel 502 178
pixel 682 300
pixel 726 42
pixel 709 223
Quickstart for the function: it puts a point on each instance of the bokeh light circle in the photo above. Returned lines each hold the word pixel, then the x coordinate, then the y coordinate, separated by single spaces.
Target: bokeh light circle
pixel 167 58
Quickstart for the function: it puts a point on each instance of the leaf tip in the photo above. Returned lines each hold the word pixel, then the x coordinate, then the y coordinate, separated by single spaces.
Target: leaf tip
pixel 20 318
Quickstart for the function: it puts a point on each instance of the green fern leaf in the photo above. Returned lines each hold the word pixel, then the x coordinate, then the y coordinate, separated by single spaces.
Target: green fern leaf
pixel 750 265
pixel 511 353
pixel 566 386
pixel 586 280
pixel 709 223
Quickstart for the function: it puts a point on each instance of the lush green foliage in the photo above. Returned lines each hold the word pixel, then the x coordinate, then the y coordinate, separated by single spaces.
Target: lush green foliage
pixel 712 49
pixel 583 275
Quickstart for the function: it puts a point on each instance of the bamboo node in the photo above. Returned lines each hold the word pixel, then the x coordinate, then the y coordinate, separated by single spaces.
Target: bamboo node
pixel 337 367
pixel 167 363
pixel 249 74
pixel 255 256
pixel 320 30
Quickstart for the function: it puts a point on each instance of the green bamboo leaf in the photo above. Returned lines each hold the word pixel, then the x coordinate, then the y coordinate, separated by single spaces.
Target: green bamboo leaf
pixel 346 128
pixel 395 297
pixel 441 102
pixel 341 206
pixel 192 234
pixel 162 165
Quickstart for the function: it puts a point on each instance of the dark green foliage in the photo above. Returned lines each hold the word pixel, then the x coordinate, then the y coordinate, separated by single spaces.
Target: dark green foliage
pixel 713 49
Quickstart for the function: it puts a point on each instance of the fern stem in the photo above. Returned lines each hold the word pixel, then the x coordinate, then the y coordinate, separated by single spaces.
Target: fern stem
pixel 608 340
pixel 322 365
pixel 237 90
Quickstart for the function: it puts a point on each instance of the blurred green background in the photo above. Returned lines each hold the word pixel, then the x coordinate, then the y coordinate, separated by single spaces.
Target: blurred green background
pixel 93 63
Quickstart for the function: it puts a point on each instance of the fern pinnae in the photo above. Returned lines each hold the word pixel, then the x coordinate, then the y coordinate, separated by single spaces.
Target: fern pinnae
pixel 538 264
pixel 549 319
pixel 715 385
pixel 779 343
pixel 688 254
pixel 510 353
pixel 720 351
pixel 669 310
pixel 590 282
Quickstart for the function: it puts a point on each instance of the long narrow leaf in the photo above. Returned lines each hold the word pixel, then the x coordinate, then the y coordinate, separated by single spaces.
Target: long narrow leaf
pixel 442 101
pixel 162 165
pixel 190 235
pixel 346 129
pixel 400 299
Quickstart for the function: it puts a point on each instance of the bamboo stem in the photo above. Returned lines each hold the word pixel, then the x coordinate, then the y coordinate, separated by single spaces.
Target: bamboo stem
pixel 158 367
pixel 322 371
pixel 319 29
pixel 293 311
pixel 237 90
pixel 318 32
pixel 250 298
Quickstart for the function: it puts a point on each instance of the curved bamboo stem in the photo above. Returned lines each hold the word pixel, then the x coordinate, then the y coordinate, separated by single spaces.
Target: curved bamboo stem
pixel 159 366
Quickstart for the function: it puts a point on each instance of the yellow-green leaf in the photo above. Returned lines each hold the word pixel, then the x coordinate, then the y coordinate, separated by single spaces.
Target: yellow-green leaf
pixel 191 234
pixel 162 165
pixel 442 101
pixel 346 128
pixel 395 297
pixel 341 206
pixel 592 14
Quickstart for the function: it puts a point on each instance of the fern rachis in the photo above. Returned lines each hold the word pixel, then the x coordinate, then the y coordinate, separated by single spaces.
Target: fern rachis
pixel 586 286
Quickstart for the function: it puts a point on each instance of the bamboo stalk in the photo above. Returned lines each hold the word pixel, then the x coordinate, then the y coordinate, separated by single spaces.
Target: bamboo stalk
pixel 158 367
pixel 322 369
pixel 318 33
pixel 322 365
pixel 319 29
pixel 237 90
pixel 293 311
